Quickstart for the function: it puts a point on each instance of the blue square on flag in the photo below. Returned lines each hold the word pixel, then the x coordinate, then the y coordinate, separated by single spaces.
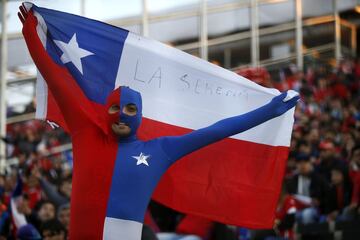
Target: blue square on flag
pixel 89 49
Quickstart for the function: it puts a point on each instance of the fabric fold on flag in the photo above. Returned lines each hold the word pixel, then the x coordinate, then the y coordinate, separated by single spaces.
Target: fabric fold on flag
pixel 235 181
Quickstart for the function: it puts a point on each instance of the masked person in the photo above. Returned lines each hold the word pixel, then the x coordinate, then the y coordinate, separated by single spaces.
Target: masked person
pixel 114 173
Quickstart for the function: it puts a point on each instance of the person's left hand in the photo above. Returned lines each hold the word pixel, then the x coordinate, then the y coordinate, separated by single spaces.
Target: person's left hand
pixel 280 104
pixel 26 17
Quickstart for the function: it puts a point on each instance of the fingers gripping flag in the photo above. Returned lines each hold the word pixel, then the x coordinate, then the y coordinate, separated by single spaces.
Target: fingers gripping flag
pixel 235 181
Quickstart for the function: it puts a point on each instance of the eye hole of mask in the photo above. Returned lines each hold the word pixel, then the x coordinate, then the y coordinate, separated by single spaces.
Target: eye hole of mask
pixel 115 108
pixel 130 109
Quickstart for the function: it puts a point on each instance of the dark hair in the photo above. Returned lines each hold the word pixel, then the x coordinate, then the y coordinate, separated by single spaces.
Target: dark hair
pixel 42 203
pixel 339 169
pixel 54 226
pixel 62 207
pixel 355 148
pixel 302 157
pixel 66 179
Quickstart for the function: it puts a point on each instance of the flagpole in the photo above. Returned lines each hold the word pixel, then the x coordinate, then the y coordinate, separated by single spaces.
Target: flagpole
pixel 254 13
pixel 204 31
pixel 337 31
pixel 3 71
pixel 299 35
pixel 145 19
pixel 82 8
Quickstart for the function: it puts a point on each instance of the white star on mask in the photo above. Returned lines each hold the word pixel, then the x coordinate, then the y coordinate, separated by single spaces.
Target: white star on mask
pixel 72 52
pixel 141 159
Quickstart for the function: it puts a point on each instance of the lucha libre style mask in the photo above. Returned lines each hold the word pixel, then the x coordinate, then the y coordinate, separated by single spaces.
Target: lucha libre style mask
pixel 122 96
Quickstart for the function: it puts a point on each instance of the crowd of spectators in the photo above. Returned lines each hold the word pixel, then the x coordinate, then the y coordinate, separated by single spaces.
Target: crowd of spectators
pixel 322 181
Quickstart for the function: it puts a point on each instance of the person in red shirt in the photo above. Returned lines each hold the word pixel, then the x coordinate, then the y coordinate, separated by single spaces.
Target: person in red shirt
pixel 322 92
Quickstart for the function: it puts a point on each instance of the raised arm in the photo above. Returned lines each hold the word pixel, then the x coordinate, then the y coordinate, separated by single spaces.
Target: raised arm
pixel 179 146
pixel 18 217
pixel 72 102
pixel 52 193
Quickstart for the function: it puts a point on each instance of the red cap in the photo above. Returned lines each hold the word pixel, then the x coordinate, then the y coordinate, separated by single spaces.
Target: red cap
pixel 326 145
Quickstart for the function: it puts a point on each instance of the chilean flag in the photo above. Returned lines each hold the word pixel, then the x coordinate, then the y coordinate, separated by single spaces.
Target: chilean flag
pixel 235 181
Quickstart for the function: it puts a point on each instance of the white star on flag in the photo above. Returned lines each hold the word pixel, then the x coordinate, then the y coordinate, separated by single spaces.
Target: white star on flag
pixel 72 52
pixel 141 159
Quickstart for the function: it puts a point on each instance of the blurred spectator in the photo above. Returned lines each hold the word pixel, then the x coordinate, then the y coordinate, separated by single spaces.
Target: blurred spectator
pixel 28 232
pixel 223 232
pixel 31 188
pixel 190 228
pixel 308 185
pixel 353 210
pixel 328 160
pixel 56 172
pixel 194 225
pixel 52 229
pixel 44 211
pixel 63 215
pixel 4 220
pixel 285 215
pixel 338 196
